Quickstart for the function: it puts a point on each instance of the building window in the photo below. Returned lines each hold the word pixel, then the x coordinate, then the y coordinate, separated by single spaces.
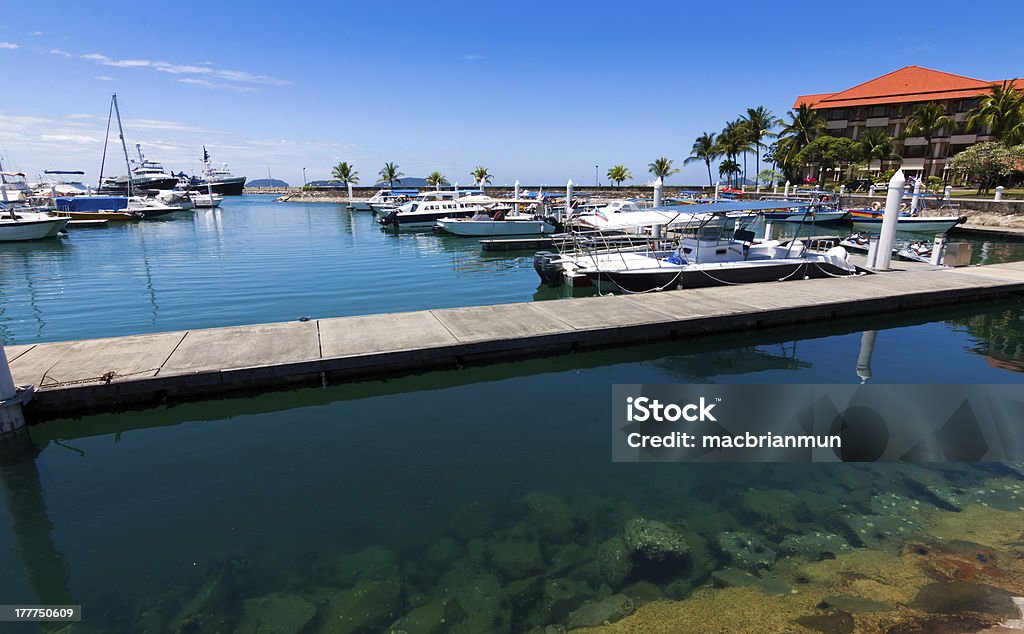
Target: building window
pixel 878 111
pixel 837 114
pixel 913 151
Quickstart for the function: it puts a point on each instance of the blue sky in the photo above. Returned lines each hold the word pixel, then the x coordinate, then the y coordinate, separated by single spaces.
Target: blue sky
pixel 540 92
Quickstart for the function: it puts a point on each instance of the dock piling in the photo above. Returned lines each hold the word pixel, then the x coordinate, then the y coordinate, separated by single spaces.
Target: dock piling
pixel 658 186
pixel 887 238
pixel 11 416
pixel 998 197
pixel 915 203
pixel 787 190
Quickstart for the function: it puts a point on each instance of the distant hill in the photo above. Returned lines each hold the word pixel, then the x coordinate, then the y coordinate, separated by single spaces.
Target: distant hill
pixel 407 181
pixel 266 182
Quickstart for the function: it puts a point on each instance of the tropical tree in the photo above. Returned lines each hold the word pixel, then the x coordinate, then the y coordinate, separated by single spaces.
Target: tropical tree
pixel 759 123
pixel 705 148
pixel 734 140
pixel 619 173
pixel 830 152
pixel 985 163
pixel 662 168
pixel 876 144
pixel 345 173
pixel 927 120
pixel 1001 111
pixel 436 179
pixel 390 174
pixel 481 175
pixel 729 168
pixel 805 125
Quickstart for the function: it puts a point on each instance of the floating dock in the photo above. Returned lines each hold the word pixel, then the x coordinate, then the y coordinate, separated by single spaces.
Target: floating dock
pixel 77 377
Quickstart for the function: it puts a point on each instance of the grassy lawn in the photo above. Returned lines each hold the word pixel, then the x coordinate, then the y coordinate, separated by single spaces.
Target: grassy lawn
pixel 1014 193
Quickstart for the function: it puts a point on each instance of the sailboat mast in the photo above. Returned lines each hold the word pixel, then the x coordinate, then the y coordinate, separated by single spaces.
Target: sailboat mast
pixel 124 146
pixel 103 161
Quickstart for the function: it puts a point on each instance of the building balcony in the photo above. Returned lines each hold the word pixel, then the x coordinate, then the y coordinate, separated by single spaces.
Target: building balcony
pixel 962 139
pixel 877 122
pixel 836 125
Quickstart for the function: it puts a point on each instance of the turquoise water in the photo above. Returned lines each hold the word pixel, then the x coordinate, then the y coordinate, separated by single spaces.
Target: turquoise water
pixel 256 261
pixel 174 516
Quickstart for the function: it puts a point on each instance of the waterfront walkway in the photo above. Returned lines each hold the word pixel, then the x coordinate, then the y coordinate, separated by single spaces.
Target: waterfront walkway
pixel 107 374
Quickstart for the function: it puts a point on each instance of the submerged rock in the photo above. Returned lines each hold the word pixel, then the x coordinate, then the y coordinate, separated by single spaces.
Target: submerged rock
pixel 369 606
pixel 643 592
pixel 516 558
pixel 561 597
pixel 564 558
pixel 746 549
pixel 733 578
pixel 815 545
pixel 277 613
pixel 614 561
pixel 878 531
pixel 481 595
pixel 473 520
pixel 443 552
pixel 436 617
pixel 835 623
pixel 653 540
pixel 958 597
pixel 856 605
pixel 550 517
pixel 775 506
pixel 596 613
pixel 375 563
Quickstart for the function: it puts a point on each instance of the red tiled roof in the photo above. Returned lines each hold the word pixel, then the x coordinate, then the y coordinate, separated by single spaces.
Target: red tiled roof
pixel 908 84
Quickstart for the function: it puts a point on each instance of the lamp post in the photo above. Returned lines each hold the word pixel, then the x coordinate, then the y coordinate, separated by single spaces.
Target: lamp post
pixel 597 182
pixel 303 176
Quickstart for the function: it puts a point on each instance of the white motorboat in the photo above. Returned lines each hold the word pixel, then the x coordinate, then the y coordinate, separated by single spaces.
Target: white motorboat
pixel 509 225
pixel 385 200
pixel 219 180
pixel 425 214
pixel 871 221
pixel 20 226
pixel 205 201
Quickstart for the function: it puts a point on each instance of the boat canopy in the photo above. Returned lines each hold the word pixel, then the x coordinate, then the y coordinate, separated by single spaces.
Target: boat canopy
pixel 685 215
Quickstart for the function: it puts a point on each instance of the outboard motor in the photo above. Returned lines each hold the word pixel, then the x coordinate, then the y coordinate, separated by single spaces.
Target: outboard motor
pixel 390 219
pixel 549 272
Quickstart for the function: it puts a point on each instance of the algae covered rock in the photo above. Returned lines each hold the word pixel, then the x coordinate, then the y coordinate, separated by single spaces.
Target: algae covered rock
pixel 564 558
pixel 815 545
pixel 877 531
pixel 375 563
pixel 776 506
pixel 606 611
pixel 958 597
pixel 561 597
pixel 614 561
pixel 516 558
pixel 643 592
pixel 746 549
pixel 368 607
pixel 443 552
pixel 481 595
pixel 435 617
pixel 473 520
pixel 550 517
pixel 653 540
pixel 277 613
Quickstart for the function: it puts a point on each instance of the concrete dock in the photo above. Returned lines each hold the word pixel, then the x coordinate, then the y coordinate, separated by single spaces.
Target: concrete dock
pixel 109 374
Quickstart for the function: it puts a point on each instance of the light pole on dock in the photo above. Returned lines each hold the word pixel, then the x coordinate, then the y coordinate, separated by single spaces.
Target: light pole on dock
pixel 597 180
pixel 303 176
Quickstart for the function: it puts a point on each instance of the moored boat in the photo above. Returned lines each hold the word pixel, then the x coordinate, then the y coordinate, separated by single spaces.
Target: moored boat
pixel 21 226
pixel 509 225
pixel 870 220
pixel 218 180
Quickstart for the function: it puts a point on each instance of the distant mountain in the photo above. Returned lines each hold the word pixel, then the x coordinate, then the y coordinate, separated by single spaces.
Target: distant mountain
pixel 407 181
pixel 266 182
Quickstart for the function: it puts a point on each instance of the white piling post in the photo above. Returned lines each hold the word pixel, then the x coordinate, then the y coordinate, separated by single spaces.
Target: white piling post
pixel 718 186
pixel 758 189
pixel 787 189
pixel 867 349
pixel 349 184
pixel 947 192
pixel 916 202
pixel 3 193
pixel 775 190
pixel 937 247
pixel 999 194
pixel 892 211
pixel 658 185
pixel 568 198
pixel 11 416
pixel 871 191
pixel 516 196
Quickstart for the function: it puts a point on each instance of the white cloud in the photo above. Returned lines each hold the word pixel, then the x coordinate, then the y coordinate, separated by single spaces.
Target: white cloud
pixel 202 70
pixel 206 83
pixel 472 57
pixel 104 78
pixel 57 51
pixel 8 45
pixel 69 138
pixel 37 33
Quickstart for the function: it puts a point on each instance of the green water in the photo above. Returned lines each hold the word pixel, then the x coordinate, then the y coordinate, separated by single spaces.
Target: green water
pixel 146 517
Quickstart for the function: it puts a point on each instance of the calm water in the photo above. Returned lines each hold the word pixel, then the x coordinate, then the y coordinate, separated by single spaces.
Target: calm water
pixel 143 517
pixel 255 261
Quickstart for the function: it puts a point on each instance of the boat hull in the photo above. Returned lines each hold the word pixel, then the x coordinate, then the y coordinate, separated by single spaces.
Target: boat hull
pixel 702 277
pixel 225 187
pixel 823 216
pixel 487 228
pixel 422 220
pixel 912 225
pixel 25 230
pixel 113 216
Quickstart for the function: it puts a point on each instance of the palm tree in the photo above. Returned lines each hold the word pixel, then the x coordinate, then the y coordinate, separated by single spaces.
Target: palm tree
pixel 805 125
pixel 760 123
pixel 876 144
pixel 705 148
pixel 481 176
pixel 728 168
pixel 734 140
pixel 662 168
pixel 391 174
pixel 927 120
pixel 345 173
pixel 619 173
pixel 1001 111
pixel 436 179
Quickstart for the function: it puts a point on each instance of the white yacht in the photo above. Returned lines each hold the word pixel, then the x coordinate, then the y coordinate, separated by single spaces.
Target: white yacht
pixel 424 214
pixel 218 179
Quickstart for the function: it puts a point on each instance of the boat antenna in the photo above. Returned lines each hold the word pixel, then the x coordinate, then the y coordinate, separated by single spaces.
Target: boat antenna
pixel 103 161
pixel 124 147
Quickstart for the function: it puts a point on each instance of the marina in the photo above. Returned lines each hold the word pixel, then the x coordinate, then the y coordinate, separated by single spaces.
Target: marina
pixel 362 380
